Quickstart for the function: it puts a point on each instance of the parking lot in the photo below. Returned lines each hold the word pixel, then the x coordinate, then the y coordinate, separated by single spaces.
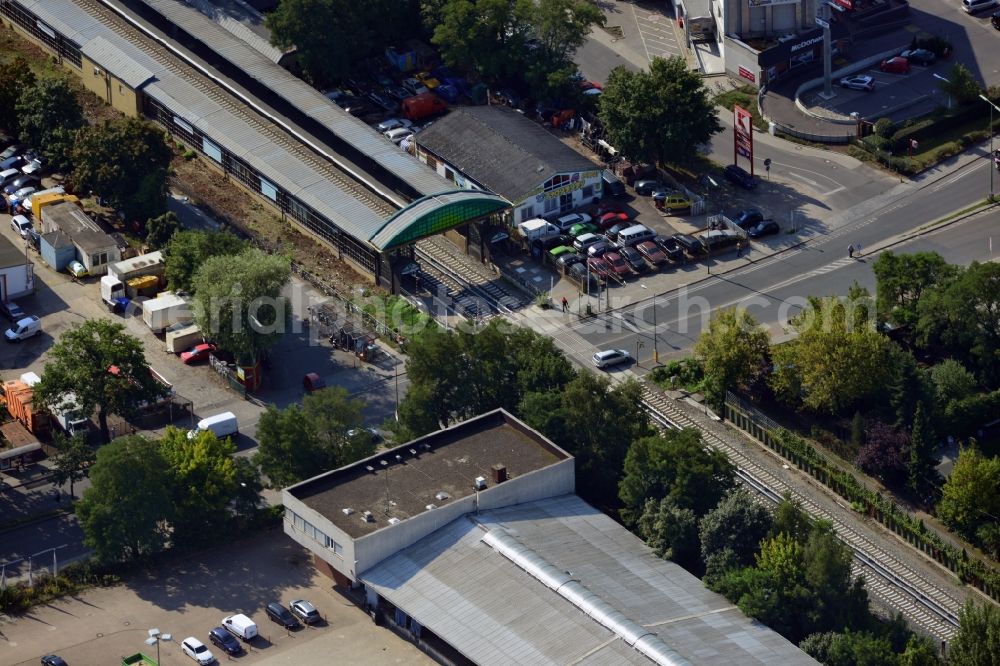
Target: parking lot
pixel 101 625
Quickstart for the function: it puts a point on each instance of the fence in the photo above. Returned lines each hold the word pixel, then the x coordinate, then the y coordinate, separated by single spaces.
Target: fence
pixel 969 569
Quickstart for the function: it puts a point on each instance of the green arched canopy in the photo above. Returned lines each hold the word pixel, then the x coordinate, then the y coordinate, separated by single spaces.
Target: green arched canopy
pixel 435 214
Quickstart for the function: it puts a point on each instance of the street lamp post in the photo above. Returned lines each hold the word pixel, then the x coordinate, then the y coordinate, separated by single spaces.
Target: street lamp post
pixel 992 166
pixel 656 351
pixel 154 638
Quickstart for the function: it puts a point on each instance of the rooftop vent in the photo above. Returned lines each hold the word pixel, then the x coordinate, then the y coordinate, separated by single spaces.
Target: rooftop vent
pixel 431 506
pixel 370 468
pixel 425 446
pixel 442 496
pixel 479 483
pixel 348 511
pixel 393 521
pixel 399 458
pixel 368 517
pixel 384 463
pixel 499 473
pixel 413 452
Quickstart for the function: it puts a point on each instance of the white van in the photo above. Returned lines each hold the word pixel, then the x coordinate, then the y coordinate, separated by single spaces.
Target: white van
pixel 634 235
pixel 241 626
pixel 536 228
pixel 223 425
pixel 25 328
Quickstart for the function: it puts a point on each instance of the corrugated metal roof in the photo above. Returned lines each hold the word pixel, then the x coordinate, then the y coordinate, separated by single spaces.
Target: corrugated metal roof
pixel 115 61
pixel 309 100
pixel 484 605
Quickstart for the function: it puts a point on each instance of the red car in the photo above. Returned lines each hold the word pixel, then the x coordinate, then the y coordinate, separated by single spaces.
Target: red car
pixel 652 253
pixel 896 65
pixel 197 353
pixel 609 220
pixel 599 266
pixel 618 264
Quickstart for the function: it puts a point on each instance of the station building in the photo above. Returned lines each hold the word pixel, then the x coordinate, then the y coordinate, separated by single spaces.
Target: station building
pixel 472 541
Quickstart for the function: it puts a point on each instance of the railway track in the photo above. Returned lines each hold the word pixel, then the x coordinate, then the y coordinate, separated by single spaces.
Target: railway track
pixel 889 581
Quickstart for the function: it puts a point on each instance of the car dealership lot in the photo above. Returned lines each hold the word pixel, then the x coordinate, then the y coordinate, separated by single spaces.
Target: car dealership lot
pixel 190 598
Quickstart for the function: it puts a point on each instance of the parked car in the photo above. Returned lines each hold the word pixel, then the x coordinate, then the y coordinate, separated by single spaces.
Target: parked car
pixel 584 241
pixel 580 272
pixel 20 224
pixel 397 93
pixel 612 232
pixel 566 260
pixel 427 79
pixel 25 328
pixel 224 640
pixel 857 83
pixel 393 123
pixel 633 258
pixel 995 20
pixel 647 186
pixel 895 65
pixel 398 134
pixel 567 221
pixel 747 218
pixel 691 245
pixel 12 150
pixel 281 615
pixel 599 248
pixel 652 253
pixel 612 218
pixel 415 86
pixel 53 660
pixel 19 195
pixel 197 354
pixel 609 357
pixel 583 228
pixel 670 247
pixel 672 201
pixel 617 263
pixel 765 228
pixel 739 176
pixel 919 56
pixel 12 311
pixel 22 181
pixel 197 650
pixel 383 101
pixel 37 166
pixel 305 611
pixel 719 238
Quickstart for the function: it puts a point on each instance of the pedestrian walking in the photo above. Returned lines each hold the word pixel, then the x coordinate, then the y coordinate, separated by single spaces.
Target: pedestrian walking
pixel 739 249
pixel 857 250
pixel 850 251
pixel 565 303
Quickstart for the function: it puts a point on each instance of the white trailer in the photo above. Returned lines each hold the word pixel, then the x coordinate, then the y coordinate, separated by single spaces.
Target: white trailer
pixel 145 264
pixel 181 337
pixel 164 311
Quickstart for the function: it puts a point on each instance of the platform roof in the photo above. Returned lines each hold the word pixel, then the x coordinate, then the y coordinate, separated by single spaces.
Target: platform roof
pixel 435 214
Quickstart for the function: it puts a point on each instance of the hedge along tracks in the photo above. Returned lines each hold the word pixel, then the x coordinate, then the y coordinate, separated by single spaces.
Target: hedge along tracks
pixel 889 581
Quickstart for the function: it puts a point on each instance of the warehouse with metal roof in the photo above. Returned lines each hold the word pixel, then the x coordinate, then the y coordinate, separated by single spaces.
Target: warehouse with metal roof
pixel 306 183
pixel 473 537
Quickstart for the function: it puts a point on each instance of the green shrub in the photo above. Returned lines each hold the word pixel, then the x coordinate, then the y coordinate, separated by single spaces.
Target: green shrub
pixel 884 127
pixel 190 154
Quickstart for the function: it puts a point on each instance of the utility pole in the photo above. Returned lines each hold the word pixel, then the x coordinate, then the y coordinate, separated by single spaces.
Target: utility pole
pixel 823 20
pixel 992 157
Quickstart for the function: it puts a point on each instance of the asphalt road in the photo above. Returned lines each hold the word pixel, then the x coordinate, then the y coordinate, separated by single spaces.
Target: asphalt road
pixel 775 288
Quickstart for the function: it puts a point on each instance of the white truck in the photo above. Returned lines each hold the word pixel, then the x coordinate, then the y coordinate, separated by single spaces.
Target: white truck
pixel 182 336
pixel 241 626
pixel 113 294
pixel 164 311
pixel 536 228
pixel 68 415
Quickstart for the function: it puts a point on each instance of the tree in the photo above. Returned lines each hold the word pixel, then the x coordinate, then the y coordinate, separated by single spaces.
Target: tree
pixel 849 649
pixel 960 84
pixel 203 481
pixel 923 461
pixel 733 350
pixel 71 461
pixel 738 524
pixel 15 77
pixel 238 301
pixel 657 116
pixel 671 531
pixel 49 116
pixel 900 280
pixel 789 518
pixel 675 465
pixel 951 382
pixel 833 364
pixel 596 423
pixel 489 36
pixel 963 317
pixel 160 229
pixel 908 386
pixel 126 511
pixel 885 453
pixel 125 161
pixel 971 494
pixel 80 362
pixel 188 250
pixel 977 642
pixel 318 31
pixel 297 443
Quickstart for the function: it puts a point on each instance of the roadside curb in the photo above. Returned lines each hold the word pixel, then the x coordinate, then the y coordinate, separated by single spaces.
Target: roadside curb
pixel 35 519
